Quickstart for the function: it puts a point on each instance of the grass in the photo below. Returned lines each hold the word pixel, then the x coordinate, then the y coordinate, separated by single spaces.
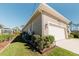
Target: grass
pixel 61 52
pixel 19 49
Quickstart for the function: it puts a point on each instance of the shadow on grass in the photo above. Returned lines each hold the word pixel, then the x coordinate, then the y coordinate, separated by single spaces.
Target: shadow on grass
pixel 20 39
pixel 31 47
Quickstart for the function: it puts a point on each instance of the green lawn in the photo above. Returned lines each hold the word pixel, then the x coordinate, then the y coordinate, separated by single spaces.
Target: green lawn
pixel 61 52
pixel 19 49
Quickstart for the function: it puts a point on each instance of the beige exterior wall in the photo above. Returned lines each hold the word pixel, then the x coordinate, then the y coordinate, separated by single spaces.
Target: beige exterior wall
pixel 35 24
pixel 48 18
pixel 38 24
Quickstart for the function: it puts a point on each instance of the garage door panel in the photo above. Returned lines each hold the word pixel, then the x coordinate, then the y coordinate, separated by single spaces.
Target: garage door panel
pixel 57 32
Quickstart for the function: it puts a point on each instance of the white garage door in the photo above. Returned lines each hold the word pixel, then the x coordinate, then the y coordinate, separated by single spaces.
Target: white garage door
pixel 57 32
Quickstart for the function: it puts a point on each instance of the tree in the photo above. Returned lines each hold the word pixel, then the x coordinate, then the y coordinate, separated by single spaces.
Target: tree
pixel 71 25
pixel 21 27
pixel 74 26
pixel 1 26
pixel 16 30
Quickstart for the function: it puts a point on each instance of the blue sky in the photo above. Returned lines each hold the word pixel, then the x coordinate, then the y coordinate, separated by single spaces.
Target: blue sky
pixel 12 15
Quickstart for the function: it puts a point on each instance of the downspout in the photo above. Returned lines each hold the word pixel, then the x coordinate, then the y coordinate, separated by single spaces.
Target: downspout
pixel 42 22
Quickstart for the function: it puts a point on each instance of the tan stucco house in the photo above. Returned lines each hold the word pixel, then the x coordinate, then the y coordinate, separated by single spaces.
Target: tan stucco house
pixel 47 21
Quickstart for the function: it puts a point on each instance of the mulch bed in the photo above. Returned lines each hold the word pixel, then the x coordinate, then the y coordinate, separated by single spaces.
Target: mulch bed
pixel 3 44
pixel 47 49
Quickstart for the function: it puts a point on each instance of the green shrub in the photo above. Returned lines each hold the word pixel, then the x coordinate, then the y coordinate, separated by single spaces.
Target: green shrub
pixel 5 37
pixel 37 41
pixel 35 38
pixel 41 42
pixel 74 34
pixel 71 36
pixel 50 39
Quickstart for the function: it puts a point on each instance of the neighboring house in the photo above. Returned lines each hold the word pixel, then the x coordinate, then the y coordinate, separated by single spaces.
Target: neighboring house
pixel 16 30
pixel 47 21
pixel 6 31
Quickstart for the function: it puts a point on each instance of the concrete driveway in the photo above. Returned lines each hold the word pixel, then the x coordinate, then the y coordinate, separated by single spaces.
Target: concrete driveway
pixel 69 44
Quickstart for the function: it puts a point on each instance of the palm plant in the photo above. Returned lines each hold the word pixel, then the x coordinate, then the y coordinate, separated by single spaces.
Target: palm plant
pixel 73 26
pixel 76 26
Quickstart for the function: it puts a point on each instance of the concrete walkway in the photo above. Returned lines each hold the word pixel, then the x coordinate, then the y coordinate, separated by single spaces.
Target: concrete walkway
pixel 69 44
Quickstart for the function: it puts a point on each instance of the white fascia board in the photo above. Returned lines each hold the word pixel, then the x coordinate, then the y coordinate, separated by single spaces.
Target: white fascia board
pixel 60 15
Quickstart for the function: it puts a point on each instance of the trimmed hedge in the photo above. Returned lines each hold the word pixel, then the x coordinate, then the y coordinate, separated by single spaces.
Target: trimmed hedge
pixel 39 42
pixel 5 37
pixel 42 42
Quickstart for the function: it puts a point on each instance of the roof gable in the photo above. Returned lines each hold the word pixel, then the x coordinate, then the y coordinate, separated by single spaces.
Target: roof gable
pixel 50 10
pixel 44 7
